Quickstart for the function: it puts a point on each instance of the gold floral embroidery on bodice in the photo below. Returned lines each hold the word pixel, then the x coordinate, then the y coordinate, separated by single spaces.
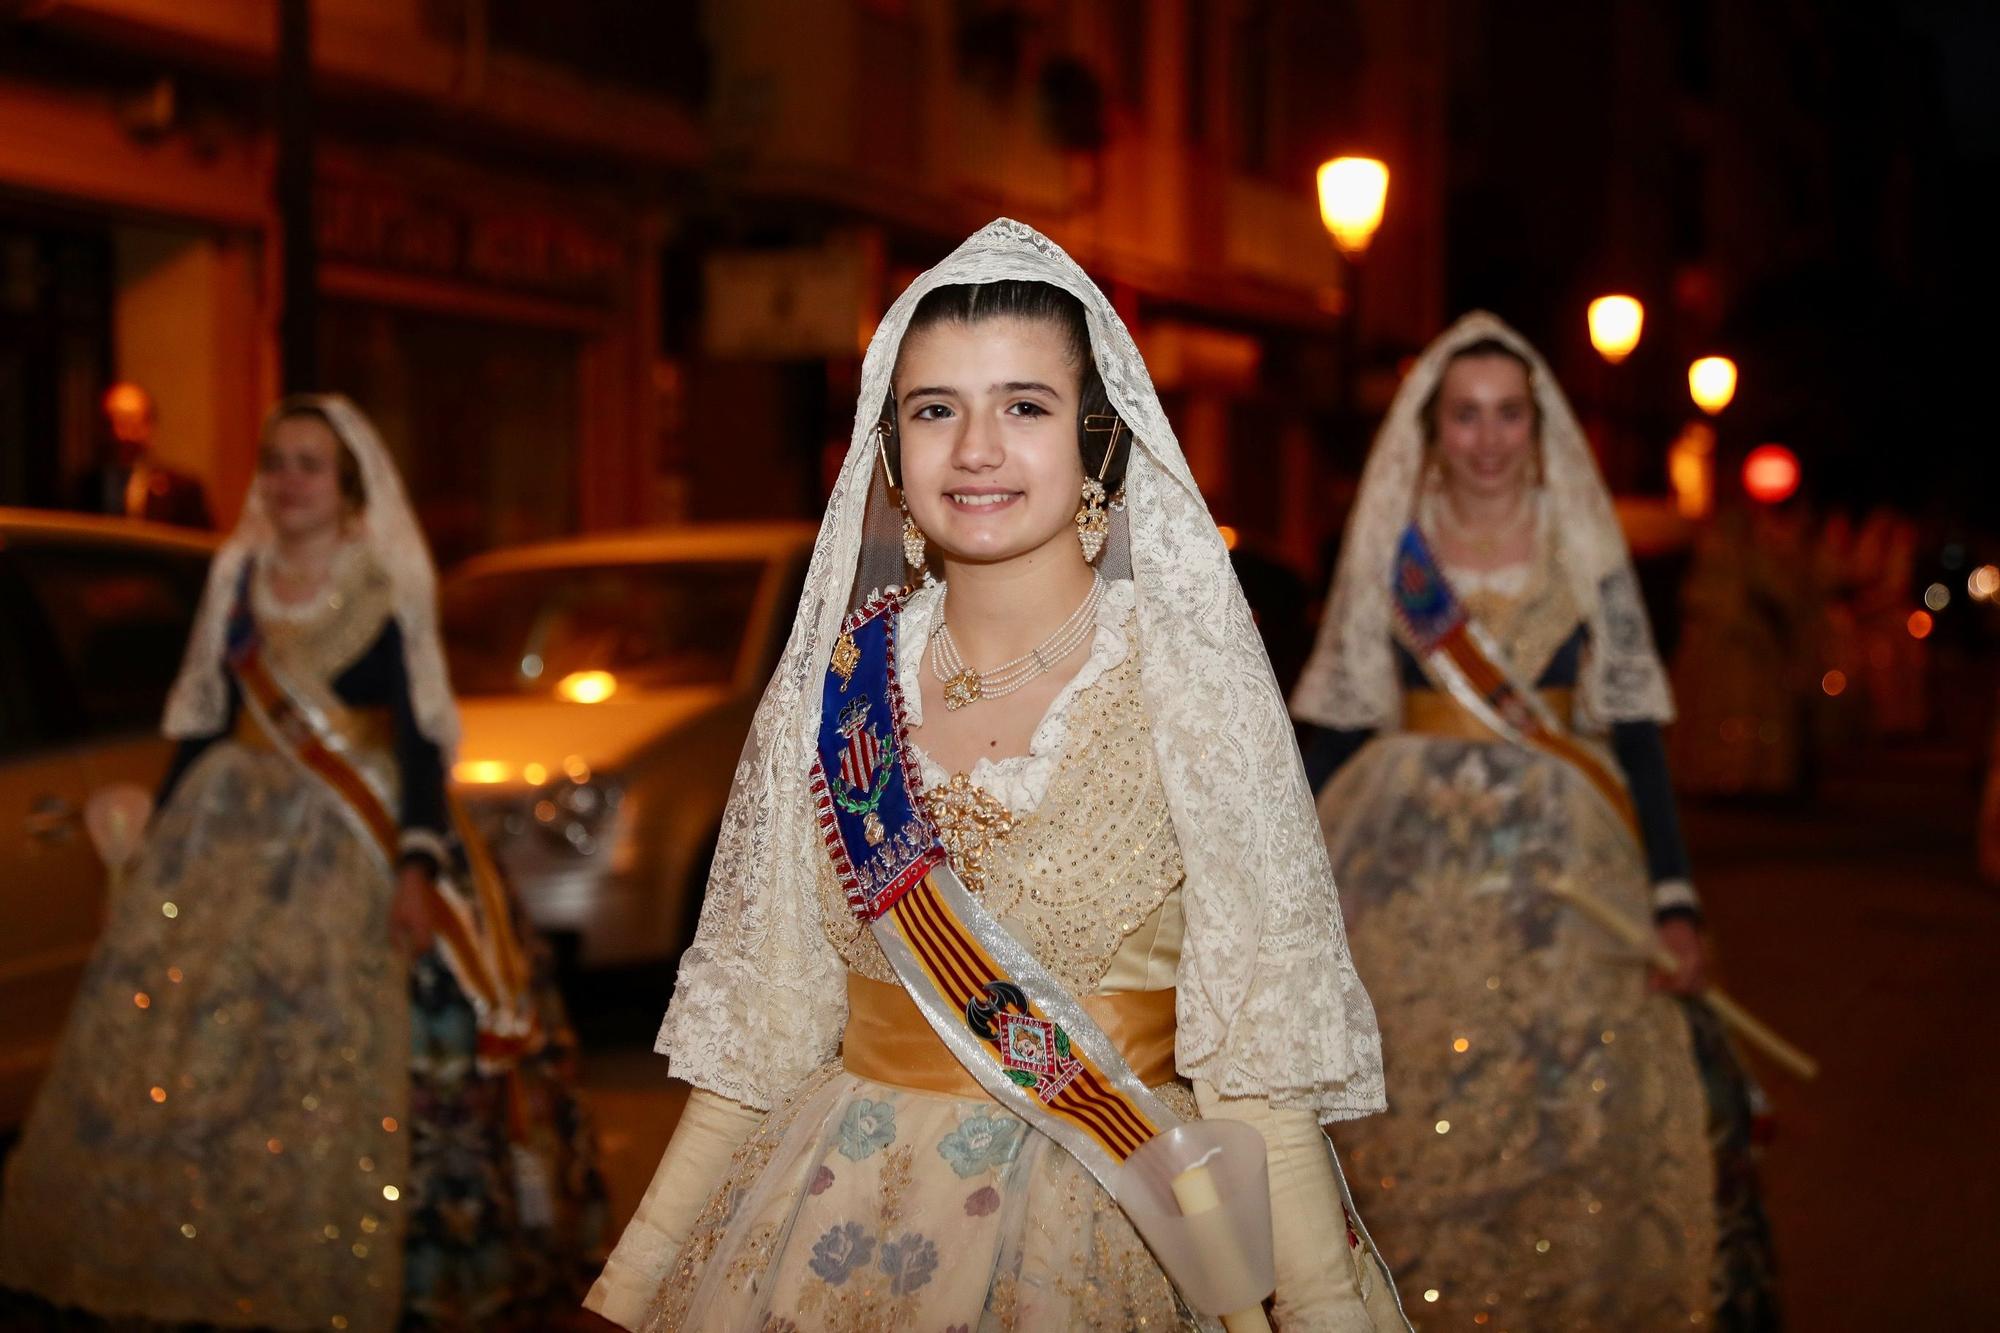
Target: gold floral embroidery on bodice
pixel 971 824
pixel 1533 624
pixel 313 646
pixel 1075 876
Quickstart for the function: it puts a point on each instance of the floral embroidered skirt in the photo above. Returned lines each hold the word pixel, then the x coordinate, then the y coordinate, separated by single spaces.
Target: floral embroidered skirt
pixel 233 1080
pixel 861 1206
pixel 1543 1162
pixel 278 1121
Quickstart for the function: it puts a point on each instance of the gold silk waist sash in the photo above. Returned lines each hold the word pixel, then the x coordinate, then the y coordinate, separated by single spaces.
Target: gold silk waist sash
pixel 362 729
pixel 1436 713
pixel 889 1041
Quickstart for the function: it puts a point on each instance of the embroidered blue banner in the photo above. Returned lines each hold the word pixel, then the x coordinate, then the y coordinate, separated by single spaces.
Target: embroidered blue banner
pixel 1424 600
pixel 878 835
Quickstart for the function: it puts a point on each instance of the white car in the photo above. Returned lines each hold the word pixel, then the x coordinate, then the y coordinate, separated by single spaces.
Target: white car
pixel 94 613
pixel 607 685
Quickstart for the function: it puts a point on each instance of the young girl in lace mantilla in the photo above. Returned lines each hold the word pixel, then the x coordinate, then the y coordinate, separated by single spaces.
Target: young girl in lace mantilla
pixel 1083 731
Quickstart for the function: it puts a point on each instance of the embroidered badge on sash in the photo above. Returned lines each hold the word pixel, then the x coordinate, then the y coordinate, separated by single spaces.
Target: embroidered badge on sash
pixel 1423 598
pixel 866 761
pixel 846 657
pixel 1034 1051
pixel 875 830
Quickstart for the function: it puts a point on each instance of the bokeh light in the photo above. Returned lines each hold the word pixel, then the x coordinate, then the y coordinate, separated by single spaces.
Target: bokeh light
pixel 587 687
pixel 481 772
pixel 1771 474
pixel 1353 192
pixel 1615 325
pixel 1712 383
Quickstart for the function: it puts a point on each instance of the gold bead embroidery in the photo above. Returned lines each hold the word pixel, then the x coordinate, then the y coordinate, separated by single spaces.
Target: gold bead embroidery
pixel 1076 876
pixel 972 825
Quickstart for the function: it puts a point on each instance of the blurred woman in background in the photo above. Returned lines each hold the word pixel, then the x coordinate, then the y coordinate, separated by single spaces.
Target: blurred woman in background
pixel 1484 709
pixel 312 1078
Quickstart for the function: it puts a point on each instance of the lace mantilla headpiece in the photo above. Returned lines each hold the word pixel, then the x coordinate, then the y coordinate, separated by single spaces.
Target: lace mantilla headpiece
pixel 1350 680
pixel 198 704
pixel 1268 1001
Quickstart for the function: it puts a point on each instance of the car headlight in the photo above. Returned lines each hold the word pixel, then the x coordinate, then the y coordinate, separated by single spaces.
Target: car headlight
pixel 578 814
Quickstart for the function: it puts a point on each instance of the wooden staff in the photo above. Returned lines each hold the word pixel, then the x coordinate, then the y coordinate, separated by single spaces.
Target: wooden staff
pixel 1733 1015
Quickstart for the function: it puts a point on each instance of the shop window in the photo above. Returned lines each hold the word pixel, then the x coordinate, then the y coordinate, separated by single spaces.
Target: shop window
pixel 55 353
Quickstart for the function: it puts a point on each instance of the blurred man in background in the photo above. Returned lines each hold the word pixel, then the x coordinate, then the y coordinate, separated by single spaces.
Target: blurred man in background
pixel 129 480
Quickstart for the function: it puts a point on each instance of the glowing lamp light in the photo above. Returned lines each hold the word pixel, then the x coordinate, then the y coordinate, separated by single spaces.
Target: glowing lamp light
pixel 1691 470
pixel 587 687
pixel 1937 597
pixel 481 772
pixel 1230 537
pixel 1615 325
pixel 1771 474
pixel 1353 192
pixel 1983 582
pixel 1920 624
pixel 1833 682
pixel 1712 383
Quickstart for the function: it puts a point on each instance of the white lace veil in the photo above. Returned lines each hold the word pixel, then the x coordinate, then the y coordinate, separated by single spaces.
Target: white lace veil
pixel 1350 680
pixel 1268 1001
pixel 198 704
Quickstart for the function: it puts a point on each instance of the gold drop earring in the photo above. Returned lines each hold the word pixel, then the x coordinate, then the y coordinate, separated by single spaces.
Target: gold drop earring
pixel 913 536
pixel 1093 521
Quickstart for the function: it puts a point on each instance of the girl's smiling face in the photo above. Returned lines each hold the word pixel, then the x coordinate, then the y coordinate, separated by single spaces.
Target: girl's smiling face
pixel 1485 429
pixel 987 428
pixel 299 472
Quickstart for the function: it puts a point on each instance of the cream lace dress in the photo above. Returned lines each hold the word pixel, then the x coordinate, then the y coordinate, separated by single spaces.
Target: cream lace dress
pixel 215 1135
pixel 1542 1164
pixel 858 1205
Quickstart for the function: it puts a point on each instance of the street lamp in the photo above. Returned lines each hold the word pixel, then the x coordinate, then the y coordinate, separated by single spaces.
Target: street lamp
pixel 1615 323
pixel 1712 383
pixel 1352 194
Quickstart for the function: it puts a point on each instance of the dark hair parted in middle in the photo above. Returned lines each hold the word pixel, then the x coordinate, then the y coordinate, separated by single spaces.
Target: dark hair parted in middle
pixel 973 303
pixel 1473 351
pixel 352 489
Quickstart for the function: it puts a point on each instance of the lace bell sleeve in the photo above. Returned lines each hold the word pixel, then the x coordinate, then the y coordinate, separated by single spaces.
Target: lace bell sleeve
pixel 761 997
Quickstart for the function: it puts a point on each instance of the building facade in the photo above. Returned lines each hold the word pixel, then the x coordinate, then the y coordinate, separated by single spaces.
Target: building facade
pixel 619 266
pixel 486 221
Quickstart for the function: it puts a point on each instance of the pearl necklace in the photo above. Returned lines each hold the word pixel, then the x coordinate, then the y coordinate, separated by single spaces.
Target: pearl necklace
pixel 326 594
pixel 1487 544
pixel 964 686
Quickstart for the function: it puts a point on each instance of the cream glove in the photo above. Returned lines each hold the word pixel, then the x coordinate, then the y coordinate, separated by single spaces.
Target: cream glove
pixel 1319 1280
pixel 710 1131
